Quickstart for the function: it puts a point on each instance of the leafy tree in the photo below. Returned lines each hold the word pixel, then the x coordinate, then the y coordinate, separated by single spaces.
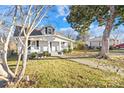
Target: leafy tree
pixel 81 17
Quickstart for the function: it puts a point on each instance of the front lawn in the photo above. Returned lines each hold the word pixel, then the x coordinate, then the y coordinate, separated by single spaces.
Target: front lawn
pixel 117 61
pixel 117 57
pixel 82 53
pixel 117 51
pixel 55 72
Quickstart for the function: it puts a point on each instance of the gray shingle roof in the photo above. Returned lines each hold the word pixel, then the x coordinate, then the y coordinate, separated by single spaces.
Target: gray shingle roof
pixel 18 30
pixel 36 32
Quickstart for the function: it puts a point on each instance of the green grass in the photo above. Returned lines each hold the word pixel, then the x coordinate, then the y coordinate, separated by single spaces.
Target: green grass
pixel 115 61
pixel 55 72
pixel 117 51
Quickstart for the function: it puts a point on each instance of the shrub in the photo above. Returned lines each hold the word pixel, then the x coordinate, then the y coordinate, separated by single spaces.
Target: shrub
pixel 111 47
pixel 60 53
pixel 99 48
pixel 40 55
pixel 46 53
pixel 91 47
pixel 80 45
pixel 33 55
pixel 69 50
pixel 65 51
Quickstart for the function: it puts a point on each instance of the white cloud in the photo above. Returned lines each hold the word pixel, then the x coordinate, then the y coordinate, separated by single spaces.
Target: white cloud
pixel 64 19
pixel 68 28
pixel 92 26
pixel 100 28
pixel 62 10
pixel 97 31
pixel 69 32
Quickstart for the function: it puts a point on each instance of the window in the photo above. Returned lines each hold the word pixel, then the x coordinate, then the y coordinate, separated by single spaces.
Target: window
pixel 29 42
pixel 63 43
pixel 49 31
pixel 50 44
pixel 37 44
pixel 33 43
pixel 45 30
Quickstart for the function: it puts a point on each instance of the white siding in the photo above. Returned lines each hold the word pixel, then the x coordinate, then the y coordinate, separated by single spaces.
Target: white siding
pixel 43 43
pixel 43 46
pixel 95 43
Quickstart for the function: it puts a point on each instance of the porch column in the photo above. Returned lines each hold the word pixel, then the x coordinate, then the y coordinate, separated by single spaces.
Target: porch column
pixel 60 46
pixel 71 45
pixel 49 50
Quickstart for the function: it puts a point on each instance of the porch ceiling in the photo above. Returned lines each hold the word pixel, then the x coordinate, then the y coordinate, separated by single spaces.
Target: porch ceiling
pixel 50 38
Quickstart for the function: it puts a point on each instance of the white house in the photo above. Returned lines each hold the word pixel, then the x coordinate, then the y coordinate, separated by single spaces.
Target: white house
pixel 46 39
pixel 97 42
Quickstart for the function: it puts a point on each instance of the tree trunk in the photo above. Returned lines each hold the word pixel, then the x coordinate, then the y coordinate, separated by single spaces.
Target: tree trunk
pixel 106 34
pixel 5 65
pixel 4 59
pixel 4 55
pixel 24 60
pixel 105 45
pixel 2 71
pixel 18 61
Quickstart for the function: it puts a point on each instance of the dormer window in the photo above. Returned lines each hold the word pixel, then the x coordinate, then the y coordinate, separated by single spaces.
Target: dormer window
pixel 45 30
pixel 49 30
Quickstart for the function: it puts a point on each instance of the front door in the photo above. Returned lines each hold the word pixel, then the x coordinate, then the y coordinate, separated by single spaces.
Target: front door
pixel 52 47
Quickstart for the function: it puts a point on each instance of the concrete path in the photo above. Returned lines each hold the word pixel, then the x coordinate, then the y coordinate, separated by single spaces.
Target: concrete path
pixel 98 65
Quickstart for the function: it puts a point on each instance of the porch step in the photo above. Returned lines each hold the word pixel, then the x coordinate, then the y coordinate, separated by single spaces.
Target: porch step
pixel 54 54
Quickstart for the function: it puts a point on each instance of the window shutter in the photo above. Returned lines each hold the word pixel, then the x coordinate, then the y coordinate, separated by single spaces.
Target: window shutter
pixel 45 30
pixel 29 42
pixel 37 43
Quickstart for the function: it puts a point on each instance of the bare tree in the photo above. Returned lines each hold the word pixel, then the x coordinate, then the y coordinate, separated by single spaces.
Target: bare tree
pixel 29 17
pixel 116 34
pixel 30 22
pixel 5 41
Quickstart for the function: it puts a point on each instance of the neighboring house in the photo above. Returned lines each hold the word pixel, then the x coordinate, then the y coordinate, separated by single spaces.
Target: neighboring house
pixel 45 39
pixel 97 42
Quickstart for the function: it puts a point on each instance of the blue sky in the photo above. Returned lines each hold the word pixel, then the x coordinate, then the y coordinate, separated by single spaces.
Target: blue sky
pixel 96 31
pixel 57 18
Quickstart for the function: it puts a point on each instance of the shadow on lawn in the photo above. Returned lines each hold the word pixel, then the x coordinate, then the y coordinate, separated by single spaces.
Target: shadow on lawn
pixel 67 57
pixel 76 57
pixel 56 57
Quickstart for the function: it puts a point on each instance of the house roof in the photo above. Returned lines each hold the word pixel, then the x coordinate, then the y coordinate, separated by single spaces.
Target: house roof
pixel 35 32
pixel 38 32
pixel 97 39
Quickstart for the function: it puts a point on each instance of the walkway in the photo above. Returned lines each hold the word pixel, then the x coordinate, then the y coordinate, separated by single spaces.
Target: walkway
pixel 98 65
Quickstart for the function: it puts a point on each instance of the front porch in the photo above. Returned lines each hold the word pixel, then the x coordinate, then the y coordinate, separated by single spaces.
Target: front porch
pixel 53 47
